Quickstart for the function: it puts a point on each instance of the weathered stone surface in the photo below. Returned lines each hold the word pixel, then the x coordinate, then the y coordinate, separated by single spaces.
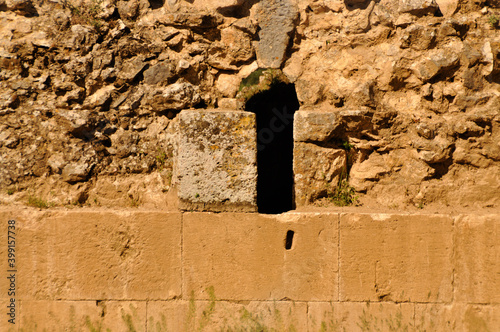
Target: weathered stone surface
pixel 447 7
pixel 100 97
pixel 363 175
pixel 353 316
pixel 97 255
pixel 317 171
pixel 233 49
pixel 161 72
pixel 402 60
pixel 75 172
pixel 61 316
pixel 436 63
pixel 244 256
pixel 215 315
pixel 228 85
pixel 23 7
pixel 396 258
pixel 217 160
pixel 131 68
pixel 276 20
pixel 457 317
pixel 314 126
pixel 418 7
pixel 323 126
pixel 476 259
pixel 176 96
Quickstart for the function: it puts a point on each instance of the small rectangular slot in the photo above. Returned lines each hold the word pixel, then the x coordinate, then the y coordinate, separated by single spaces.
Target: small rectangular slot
pixel 289 240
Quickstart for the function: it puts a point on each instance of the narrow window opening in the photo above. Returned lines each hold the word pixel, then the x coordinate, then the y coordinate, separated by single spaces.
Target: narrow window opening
pixel 289 240
pixel 275 109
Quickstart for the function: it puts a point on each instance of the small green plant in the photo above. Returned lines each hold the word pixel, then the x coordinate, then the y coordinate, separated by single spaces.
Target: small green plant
pixel 344 194
pixel 10 192
pixel 161 158
pixel 259 81
pixel 206 315
pixel 88 13
pixel 38 202
pixel 493 20
pixel 347 146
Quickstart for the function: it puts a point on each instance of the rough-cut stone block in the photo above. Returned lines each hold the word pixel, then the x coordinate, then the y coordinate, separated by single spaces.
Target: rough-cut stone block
pixel 322 126
pixel 418 7
pixel 317 170
pixel 99 255
pixel 276 20
pixel 387 257
pixel 60 316
pixel 243 256
pixel 217 161
pixel 477 259
pixel 447 7
pixel 309 126
pixel 457 317
pixel 325 316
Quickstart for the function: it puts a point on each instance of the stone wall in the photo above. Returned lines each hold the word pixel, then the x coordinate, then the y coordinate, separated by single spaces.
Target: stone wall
pixel 90 93
pixel 132 270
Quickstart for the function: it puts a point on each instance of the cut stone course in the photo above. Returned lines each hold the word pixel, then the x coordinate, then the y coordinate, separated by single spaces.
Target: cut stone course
pixel 242 262
pixel 392 257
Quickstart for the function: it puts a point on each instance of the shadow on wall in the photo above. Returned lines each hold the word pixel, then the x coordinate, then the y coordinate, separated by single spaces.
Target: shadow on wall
pixel 242 9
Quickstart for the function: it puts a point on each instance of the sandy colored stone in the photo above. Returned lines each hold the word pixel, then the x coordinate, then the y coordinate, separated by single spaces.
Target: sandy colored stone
pixel 276 20
pixel 168 315
pixel 457 317
pixel 334 316
pixel 317 171
pixel 217 161
pixel 314 126
pixel 217 315
pixel 477 263
pixel 243 256
pixel 447 7
pixel 386 257
pixel 228 85
pixel 255 315
pixel 98 255
pixel 60 316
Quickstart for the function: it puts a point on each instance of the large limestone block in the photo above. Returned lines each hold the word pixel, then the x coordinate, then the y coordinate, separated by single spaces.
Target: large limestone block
pixel 217 161
pixel 397 258
pixel 353 316
pixel 59 316
pixel 276 19
pixel 457 317
pixel 317 170
pixel 219 315
pixel 97 255
pixel 243 256
pixel 477 259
